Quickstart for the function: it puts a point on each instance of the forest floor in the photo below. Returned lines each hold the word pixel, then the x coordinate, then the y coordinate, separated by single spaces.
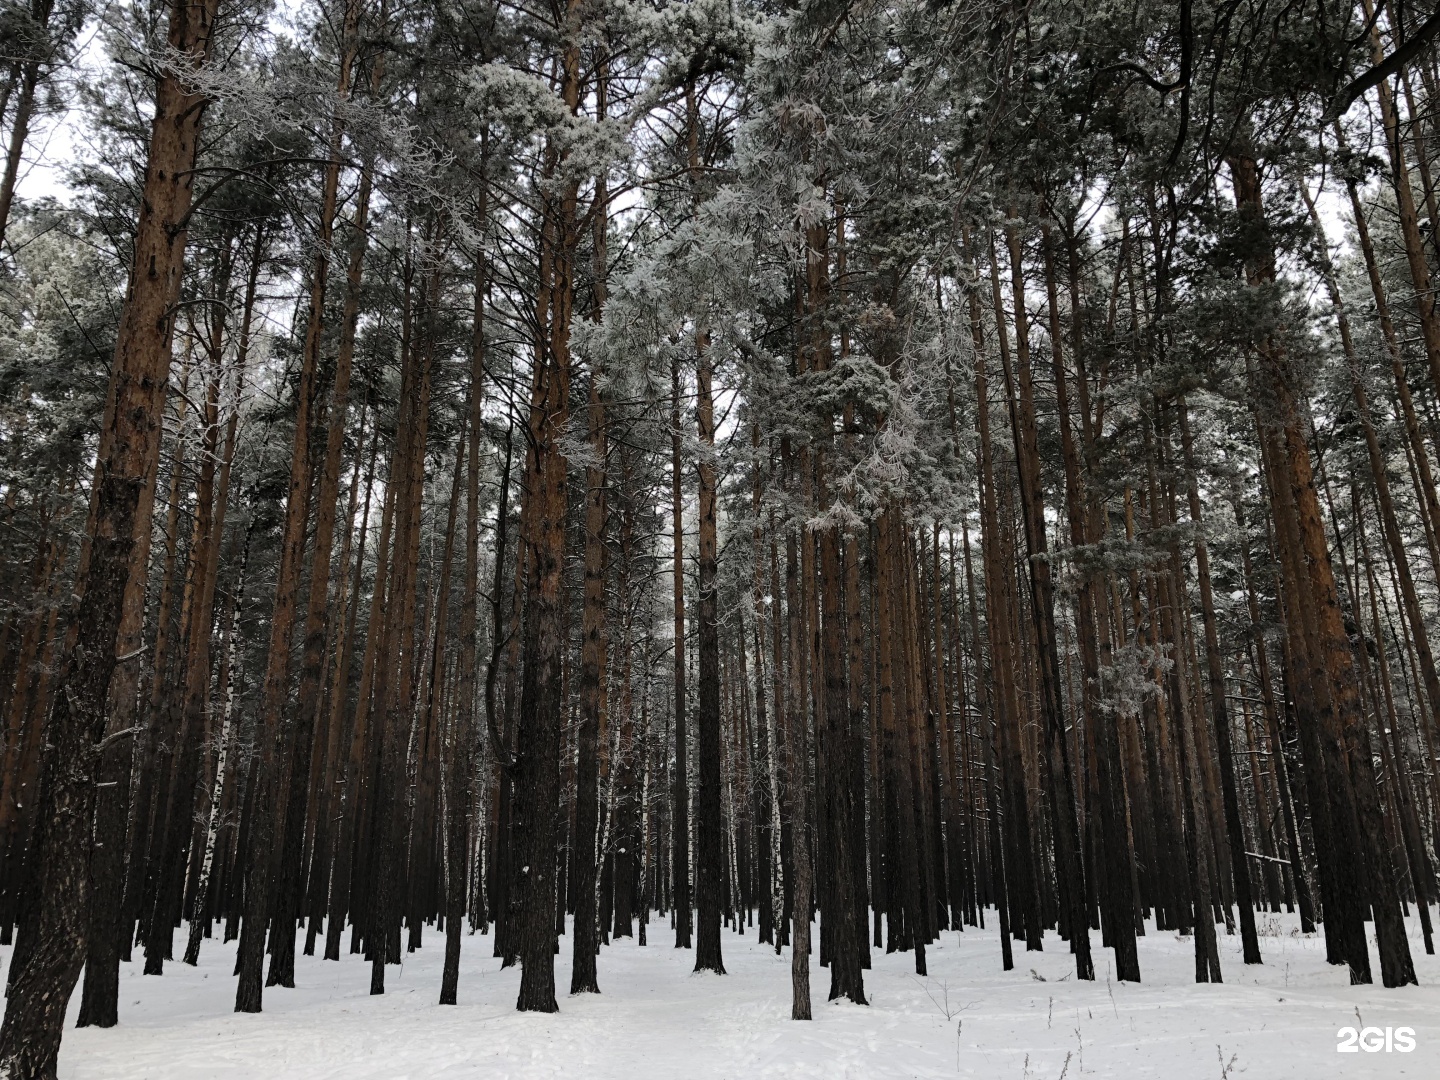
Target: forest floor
pixel 655 1020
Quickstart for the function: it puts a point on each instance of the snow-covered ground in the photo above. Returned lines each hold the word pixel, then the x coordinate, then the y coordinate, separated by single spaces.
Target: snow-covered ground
pixel 657 1020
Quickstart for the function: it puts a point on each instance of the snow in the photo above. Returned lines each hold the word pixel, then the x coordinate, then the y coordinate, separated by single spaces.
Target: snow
pixel 657 1020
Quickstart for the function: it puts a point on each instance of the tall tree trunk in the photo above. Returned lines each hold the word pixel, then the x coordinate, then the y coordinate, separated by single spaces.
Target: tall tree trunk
pixel 406 644
pixel 356 775
pixel 1023 891
pixel 543 537
pixel 629 843
pixel 1220 714
pixel 176 824
pixel 129 444
pixel 594 647
pixel 208 804
pixel 1409 219
pixel 162 727
pixel 463 756
pixel 767 796
pixel 680 787
pixel 294 786
pixel 1309 692
pixel 1361 791
pixel 278 744
pixel 1391 527
pixel 1070 867
pixel 709 823
pixel 27 72
pixel 335 731
pixel 1115 837
pixel 905 919
pixel 797 767
pixel 99 998
pixel 1272 724
pixel 1418 859
pixel 834 724
pixel 429 731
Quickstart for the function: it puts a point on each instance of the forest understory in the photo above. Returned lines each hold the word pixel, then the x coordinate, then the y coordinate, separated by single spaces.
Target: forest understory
pixel 488 485
pixel 658 1020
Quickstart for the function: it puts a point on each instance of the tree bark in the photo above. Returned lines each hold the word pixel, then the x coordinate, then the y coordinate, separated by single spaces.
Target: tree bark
pixel 1022 890
pixel 1115 837
pixel 463 747
pixel 1220 713
pixel 1361 791
pixel 543 536
pixel 129 444
pixel 294 777
pixel 1070 867
pixel 594 647
pixel 680 786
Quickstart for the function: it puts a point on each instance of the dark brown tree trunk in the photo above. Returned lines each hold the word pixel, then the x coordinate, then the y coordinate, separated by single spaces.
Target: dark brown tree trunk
pixel 920 738
pixel 680 786
pixel 27 73
pixel 129 444
pixel 335 731
pixel 834 725
pixel 533 824
pixel 1220 713
pixel 584 856
pixel 357 775
pixel 1417 858
pixel 984 701
pixel 429 732
pixel 175 826
pixel 162 726
pixel 463 746
pixel 1022 889
pixel 949 817
pixel 502 730
pixel 630 807
pixel 1361 791
pixel 906 922
pixel 277 745
pixel 797 767
pixel 292 790
pixel 208 799
pixel 157 742
pixel 22 734
pixel 1408 218
pixel 780 628
pixel 405 645
pixel 1308 692
pixel 1272 725
pixel 1070 867
pixel 1115 837
pixel 859 727
pixel 99 998
pixel 709 823
pixel 767 792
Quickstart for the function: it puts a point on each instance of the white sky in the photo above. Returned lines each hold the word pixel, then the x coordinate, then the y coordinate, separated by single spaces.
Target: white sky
pixel 56 135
